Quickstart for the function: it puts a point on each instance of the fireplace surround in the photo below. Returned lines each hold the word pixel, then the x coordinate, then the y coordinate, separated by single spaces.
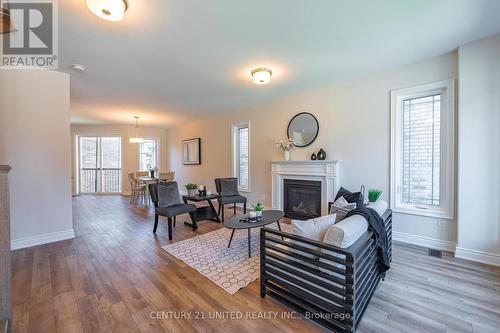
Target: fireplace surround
pixel 325 173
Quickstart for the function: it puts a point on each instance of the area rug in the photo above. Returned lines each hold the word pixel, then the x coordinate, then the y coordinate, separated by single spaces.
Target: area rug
pixel 230 269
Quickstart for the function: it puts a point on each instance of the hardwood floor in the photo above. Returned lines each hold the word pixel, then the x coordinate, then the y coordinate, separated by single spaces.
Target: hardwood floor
pixel 114 275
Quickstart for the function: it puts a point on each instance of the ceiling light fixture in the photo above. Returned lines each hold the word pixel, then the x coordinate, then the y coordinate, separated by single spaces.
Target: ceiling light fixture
pixel 111 10
pixel 136 139
pixel 261 75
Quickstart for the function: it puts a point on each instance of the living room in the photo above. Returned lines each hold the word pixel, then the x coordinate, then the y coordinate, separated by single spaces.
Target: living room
pixel 219 167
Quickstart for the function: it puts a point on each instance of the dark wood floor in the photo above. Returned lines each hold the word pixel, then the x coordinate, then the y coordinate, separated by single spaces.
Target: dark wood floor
pixel 114 274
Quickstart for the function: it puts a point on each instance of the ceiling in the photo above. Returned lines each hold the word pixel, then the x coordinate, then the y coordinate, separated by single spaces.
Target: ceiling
pixel 170 61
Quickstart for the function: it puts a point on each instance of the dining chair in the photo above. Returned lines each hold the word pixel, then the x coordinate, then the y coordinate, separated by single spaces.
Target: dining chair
pixel 137 189
pixel 227 188
pixel 141 174
pixel 167 176
pixel 167 202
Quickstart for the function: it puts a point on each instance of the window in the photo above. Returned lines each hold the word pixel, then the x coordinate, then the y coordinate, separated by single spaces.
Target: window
pixel 241 155
pixel 422 150
pixel 148 154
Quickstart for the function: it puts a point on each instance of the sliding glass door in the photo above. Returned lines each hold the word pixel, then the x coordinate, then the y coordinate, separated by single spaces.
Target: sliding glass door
pixel 99 167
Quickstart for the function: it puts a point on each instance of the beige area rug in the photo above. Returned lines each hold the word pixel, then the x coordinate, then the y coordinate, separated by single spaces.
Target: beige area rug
pixel 230 269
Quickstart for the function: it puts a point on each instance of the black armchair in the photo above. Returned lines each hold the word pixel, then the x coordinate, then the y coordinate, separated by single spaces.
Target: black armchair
pixel 165 197
pixel 228 192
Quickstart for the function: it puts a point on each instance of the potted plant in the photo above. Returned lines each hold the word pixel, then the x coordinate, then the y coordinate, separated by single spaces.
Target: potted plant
pixel 374 194
pixel 192 189
pixel 285 147
pixel 258 208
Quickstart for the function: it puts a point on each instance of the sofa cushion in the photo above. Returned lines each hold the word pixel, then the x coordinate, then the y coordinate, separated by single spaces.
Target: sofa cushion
pixel 341 207
pixel 314 229
pixel 344 233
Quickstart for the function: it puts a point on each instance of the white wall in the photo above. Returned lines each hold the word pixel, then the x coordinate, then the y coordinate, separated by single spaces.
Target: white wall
pixel 130 151
pixel 354 119
pixel 34 141
pixel 479 151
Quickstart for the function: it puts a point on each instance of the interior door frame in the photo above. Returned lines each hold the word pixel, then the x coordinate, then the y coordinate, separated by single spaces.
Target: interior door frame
pixel 78 159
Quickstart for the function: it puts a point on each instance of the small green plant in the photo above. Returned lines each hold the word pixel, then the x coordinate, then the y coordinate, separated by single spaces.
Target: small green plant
pixel 258 207
pixel 374 194
pixel 191 186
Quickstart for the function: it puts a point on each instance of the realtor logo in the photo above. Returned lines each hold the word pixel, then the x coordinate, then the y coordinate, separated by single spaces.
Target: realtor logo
pixel 32 40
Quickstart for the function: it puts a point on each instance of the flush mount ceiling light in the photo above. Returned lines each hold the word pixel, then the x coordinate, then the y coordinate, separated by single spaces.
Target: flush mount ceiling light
pixel 111 10
pixel 261 75
pixel 136 139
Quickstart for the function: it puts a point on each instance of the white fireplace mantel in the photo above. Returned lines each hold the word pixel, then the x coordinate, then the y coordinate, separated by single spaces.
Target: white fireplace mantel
pixel 325 171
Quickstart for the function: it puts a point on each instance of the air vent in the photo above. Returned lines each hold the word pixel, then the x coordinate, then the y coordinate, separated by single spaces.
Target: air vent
pixel 435 253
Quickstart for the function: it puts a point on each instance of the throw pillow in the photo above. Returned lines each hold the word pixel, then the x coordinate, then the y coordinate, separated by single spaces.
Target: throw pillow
pixel 356 197
pixel 314 229
pixel 341 207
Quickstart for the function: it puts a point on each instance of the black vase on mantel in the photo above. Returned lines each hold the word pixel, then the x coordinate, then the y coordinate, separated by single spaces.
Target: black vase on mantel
pixel 313 157
pixel 321 155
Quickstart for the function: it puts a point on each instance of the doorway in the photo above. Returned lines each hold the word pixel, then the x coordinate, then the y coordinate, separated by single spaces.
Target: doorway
pixel 99 164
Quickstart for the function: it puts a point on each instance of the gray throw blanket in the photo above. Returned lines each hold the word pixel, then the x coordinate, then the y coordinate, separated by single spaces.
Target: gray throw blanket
pixel 377 226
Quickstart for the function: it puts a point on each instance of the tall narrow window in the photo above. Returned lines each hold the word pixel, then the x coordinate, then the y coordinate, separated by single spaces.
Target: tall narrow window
pixel 241 155
pixel 422 149
pixel 148 154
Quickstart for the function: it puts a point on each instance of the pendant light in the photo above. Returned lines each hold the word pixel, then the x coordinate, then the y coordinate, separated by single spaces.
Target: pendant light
pixel 136 139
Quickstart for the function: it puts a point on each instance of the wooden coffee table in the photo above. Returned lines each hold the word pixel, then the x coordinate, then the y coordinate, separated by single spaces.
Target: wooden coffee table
pixel 268 217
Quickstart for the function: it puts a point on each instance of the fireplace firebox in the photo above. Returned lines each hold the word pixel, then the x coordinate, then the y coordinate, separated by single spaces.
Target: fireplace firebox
pixel 302 198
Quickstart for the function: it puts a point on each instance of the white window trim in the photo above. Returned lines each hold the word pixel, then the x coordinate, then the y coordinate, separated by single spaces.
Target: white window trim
pixel 158 161
pixel 447 163
pixel 234 128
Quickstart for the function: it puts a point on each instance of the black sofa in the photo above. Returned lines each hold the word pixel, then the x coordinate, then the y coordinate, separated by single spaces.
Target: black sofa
pixel 335 296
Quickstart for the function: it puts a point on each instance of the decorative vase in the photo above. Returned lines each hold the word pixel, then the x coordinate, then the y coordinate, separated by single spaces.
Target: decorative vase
pixel 258 213
pixel 252 215
pixel 321 155
pixel 313 157
pixel 192 192
pixel 152 173
pixel 286 155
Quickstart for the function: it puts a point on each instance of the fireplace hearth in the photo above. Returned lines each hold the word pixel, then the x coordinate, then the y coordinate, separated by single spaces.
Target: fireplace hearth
pixel 302 198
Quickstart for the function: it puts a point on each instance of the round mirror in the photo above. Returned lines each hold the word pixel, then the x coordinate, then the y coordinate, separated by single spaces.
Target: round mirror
pixel 303 129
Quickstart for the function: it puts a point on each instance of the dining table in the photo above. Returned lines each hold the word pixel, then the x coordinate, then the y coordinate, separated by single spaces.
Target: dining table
pixel 148 180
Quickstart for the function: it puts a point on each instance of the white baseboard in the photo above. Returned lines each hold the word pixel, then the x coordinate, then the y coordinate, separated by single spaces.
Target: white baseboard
pixel 22 243
pixel 479 256
pixel 431 243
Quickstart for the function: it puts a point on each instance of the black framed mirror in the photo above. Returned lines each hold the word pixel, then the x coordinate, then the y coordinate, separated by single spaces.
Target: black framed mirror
pixel 303 129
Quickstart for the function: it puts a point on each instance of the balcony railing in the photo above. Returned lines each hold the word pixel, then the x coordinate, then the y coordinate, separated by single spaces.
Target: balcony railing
pixel 90 180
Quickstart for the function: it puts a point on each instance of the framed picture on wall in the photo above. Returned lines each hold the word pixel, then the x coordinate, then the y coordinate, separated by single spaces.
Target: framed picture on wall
pixel 191 151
